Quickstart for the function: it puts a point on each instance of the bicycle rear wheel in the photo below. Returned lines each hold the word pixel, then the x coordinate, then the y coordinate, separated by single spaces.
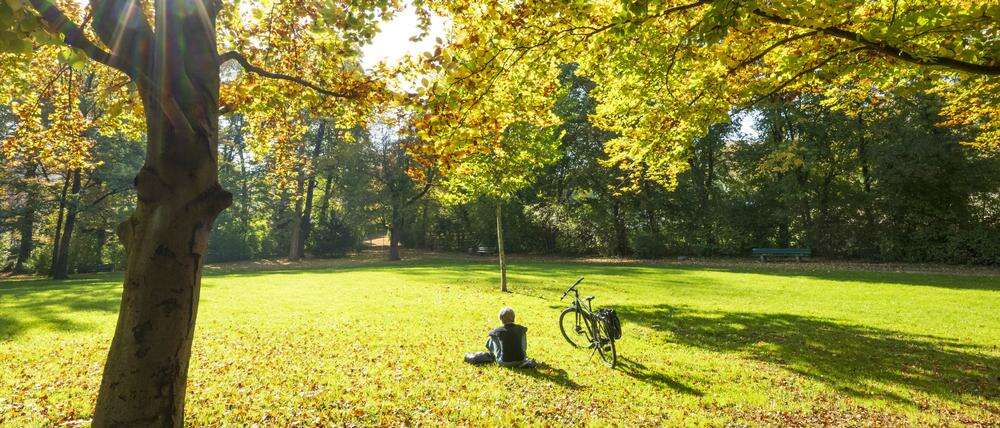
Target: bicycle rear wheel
pixel 573 324
pixel 606 345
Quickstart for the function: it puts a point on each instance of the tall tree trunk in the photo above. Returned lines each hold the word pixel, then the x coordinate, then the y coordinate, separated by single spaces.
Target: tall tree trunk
pixel 649 210
pixel 101 236
pixel 621 232
pixel 870 248
pixel 59 224
pixel 178 198
pixel 822 239
pixel 324 204
pixel 500 250
pixel 394 233
pixel 296 241
pixel 305 225
pixel 26 225
pixel 424 220
pixel 707 218
pixel 60 269
pixel 26 229
pixel 245 197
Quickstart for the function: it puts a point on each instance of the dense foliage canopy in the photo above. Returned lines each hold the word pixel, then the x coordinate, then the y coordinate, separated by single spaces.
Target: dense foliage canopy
pixel 667 70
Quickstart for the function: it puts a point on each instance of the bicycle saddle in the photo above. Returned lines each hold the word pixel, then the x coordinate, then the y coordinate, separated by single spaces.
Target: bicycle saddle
pixel 589 298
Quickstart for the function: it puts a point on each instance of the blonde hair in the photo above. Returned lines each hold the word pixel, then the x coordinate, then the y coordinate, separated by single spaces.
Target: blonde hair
pixel 507 315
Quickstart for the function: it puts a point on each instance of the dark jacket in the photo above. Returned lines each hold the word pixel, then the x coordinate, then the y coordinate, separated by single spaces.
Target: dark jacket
pixel 508 343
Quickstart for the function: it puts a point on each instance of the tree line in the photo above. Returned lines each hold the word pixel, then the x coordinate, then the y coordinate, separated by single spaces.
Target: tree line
pixel 890 184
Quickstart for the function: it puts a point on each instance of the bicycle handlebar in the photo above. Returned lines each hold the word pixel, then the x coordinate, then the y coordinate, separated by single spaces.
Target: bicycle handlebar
pixel 578 281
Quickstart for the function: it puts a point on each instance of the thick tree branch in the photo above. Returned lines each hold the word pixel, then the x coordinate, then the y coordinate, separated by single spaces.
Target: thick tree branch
pixel 889 50
pixel 74 37
pixel 249 67
pixel 122 26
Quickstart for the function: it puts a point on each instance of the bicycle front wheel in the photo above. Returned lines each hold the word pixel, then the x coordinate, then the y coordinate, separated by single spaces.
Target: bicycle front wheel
pixel 573 324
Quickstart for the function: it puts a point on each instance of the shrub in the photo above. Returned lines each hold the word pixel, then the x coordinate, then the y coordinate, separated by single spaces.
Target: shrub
pixel 649 245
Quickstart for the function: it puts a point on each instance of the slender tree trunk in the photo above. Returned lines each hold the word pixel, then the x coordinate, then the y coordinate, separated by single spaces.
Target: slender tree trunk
pixel 822 239
pixel 394 233
pixel 324 204
pixel 621 232
pixel 102 239
pixel 424 219
pixel 305 225
pixel 26 229
pixel 870 246
pixel 295 243
pixel 26 225
pixel 178 198
pixel 707 216
pixel 60 269
pixel 59 224
pixel 245 196
pixel 500 250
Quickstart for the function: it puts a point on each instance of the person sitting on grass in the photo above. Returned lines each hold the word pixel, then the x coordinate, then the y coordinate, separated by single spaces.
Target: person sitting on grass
pixel 507 344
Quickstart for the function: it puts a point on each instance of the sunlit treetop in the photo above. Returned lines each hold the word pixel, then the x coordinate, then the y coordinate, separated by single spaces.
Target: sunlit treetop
pixel 282 62
pixel 666 70
pixel 499 170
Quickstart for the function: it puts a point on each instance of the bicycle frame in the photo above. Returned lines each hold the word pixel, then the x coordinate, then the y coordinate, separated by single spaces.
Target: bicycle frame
pixel 587 312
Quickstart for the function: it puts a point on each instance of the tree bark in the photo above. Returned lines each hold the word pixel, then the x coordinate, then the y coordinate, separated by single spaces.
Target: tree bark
pixel 502 255
pixel 178 198
pixel 60 268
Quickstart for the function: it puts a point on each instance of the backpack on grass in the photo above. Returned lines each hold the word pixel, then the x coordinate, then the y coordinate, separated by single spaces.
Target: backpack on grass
pixel 611 322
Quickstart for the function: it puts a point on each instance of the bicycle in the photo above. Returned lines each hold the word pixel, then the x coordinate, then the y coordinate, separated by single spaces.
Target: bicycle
pixel 586 327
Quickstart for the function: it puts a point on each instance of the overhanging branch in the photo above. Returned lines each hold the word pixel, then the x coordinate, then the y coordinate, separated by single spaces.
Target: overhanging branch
pixel 889 50
pixel 803 72
pixel 249 67
pixel 74 37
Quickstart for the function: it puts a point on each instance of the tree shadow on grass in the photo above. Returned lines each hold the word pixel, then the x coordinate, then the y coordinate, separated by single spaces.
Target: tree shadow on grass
pixel 639 371
pixel 862 361
pixel 53 305
pixel 545 372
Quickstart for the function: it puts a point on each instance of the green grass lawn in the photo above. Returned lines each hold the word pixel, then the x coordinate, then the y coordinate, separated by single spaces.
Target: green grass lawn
pixel 379 343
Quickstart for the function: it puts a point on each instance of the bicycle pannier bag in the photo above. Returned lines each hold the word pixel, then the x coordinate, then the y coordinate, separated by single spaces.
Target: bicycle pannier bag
pixel 611 322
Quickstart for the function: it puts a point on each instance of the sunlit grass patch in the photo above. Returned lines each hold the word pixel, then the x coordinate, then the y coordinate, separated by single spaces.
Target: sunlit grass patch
pixel 380 343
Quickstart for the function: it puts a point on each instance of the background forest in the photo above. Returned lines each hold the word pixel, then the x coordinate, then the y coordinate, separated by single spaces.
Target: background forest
pixel 892 183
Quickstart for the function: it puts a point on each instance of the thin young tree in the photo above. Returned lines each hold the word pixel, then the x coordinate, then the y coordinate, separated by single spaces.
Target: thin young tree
pixel 498 171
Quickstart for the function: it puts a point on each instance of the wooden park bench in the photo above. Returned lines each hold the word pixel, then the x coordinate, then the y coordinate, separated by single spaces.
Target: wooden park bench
pixel 798 253
pixel 485 251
